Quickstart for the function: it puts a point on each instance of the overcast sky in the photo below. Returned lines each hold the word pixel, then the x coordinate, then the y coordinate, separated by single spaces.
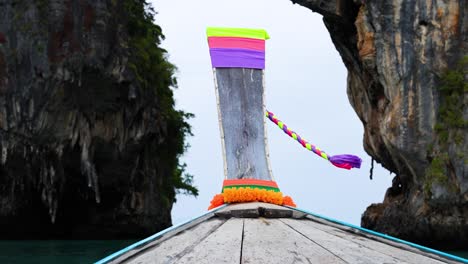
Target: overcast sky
pixel 305 88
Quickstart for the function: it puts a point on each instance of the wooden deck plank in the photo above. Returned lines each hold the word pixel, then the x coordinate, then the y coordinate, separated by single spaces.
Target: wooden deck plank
pixel 258 209
pixel 178 245
pixel 347 250
pixel 240 210
pixel 222 246
pixel 367 241
pixel 271 241
pixel 310 239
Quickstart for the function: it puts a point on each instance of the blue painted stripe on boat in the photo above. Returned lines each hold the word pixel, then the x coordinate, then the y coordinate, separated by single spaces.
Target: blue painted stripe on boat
pixel 153 237
pixel 450 256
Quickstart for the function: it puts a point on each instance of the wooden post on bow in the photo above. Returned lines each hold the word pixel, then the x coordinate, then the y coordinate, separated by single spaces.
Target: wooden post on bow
pixel 238 60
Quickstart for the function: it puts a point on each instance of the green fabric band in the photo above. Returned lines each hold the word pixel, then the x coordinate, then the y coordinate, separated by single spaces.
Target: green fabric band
pixel 237 32
pixel 252 187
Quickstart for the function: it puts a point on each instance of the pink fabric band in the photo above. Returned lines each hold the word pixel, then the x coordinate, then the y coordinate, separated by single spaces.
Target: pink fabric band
pixel 237 43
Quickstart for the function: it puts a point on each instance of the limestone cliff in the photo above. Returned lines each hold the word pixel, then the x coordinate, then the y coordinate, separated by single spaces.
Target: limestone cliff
pixel 89 136
pixel 407 81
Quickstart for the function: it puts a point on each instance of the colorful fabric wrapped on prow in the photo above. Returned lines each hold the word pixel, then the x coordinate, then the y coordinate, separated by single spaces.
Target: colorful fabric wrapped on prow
pixel 237 47
pixel 250 190
pixel 250 183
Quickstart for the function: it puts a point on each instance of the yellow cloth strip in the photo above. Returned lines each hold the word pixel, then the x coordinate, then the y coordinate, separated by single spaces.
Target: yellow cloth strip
pixel 237 32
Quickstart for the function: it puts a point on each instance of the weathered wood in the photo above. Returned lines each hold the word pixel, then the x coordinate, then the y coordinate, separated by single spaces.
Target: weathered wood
pixel 276 213
pixel 222 246
pixel 271 241
pixel 261 240
pixel 158 239
pixel 241 108
pixel 371 242
pixel 240 213
pixel 257 209
pixel 175 247
pixel 345 249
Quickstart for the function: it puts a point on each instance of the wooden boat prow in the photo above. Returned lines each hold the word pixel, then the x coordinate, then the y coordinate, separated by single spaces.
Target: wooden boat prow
pixel 261 232
pixel 267 233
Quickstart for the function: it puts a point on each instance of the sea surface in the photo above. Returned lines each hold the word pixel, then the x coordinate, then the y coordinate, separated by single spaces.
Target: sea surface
pixel 58 251
pixel 71 251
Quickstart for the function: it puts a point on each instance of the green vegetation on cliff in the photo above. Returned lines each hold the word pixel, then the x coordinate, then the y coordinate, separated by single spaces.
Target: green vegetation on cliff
pixel 452 89
pixel 155 74
pixel 90 137
pixel 451 123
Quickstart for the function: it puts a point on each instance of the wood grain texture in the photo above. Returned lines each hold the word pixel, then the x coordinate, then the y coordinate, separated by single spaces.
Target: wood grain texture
pixel 241 106
pixel 389 248
pixel 271 241
pixel 162 236
pixel 257 209
pixel 175 247
pixel 347 250
pixel 282 240
pixel 222 246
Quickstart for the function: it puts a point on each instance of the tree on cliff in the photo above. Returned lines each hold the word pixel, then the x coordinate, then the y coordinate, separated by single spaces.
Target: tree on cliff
pixel 89 137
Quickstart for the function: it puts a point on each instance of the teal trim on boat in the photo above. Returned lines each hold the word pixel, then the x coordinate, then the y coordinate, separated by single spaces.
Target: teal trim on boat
pixel 381 235
pixel 430 250
pixel 155 236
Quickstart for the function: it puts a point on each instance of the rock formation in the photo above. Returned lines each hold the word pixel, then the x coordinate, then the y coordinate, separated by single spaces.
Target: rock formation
pixel 407 81
pixel 89 136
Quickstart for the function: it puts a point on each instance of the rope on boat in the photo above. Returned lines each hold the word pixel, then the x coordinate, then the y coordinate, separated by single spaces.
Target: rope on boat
pixel 344 161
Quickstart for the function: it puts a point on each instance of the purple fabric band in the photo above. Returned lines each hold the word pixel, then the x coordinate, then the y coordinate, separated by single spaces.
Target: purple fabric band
pixel 237 58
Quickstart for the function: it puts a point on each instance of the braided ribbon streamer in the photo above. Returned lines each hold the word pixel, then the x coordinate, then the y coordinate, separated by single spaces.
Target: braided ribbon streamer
pixel 344 161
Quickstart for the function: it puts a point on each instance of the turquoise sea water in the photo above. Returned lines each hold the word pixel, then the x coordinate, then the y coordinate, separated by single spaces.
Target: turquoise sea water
pixel 463 254
pixel 71 251
pixel 58 251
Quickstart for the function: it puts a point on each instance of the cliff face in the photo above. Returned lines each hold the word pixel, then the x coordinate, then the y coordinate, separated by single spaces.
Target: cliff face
pixel 407 81
pixel 89 136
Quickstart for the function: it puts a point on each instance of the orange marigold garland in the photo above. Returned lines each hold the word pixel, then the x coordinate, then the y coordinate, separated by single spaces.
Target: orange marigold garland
pixel 287 200
pixel 250 190
pixel 218 200
pixel 248 194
